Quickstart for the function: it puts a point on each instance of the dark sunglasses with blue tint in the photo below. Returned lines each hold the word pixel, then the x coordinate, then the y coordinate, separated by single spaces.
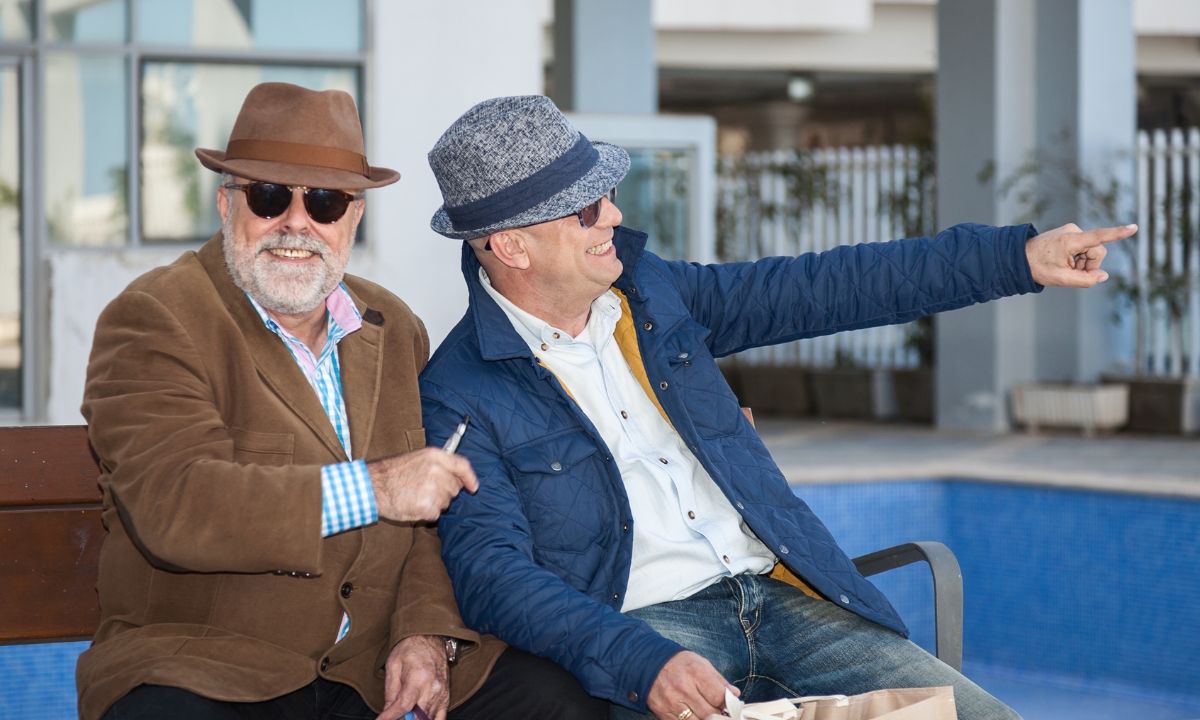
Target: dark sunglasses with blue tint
pixel 588 216
pixel 268 200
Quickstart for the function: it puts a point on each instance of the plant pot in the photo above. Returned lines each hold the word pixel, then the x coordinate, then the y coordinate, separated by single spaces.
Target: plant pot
pixel 1168 406
pixel 914 395
pixel 853 393
pixel 1086 407
pixel 773 389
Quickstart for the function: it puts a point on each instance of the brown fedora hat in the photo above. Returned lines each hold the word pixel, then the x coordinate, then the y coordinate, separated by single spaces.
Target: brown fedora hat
pixel 290 135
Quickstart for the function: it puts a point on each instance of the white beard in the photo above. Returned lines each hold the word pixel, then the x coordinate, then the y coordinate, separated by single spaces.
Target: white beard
pixel 283 287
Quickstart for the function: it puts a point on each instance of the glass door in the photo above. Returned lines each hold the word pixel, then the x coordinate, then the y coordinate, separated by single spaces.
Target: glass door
pixel 11 283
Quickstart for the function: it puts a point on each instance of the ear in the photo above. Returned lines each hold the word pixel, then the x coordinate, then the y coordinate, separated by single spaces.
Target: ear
pixel 511 248
pixel 359 206
pixel 223 203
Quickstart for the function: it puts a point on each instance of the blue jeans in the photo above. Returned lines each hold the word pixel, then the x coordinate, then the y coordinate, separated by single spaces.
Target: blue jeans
pixel 773 641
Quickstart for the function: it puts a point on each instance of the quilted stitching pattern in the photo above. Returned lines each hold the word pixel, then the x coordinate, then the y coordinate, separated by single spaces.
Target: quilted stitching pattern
pixel 540 555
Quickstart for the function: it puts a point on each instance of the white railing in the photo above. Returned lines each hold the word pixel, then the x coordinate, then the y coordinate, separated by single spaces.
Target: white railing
pixel 788 203
pixel 1167 262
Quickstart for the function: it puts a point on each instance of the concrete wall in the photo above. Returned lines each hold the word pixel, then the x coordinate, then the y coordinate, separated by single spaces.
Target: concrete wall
pixel 430 62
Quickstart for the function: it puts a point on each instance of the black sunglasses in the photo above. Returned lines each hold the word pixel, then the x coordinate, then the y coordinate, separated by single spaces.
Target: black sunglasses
pixel 268 200
pixel 588 216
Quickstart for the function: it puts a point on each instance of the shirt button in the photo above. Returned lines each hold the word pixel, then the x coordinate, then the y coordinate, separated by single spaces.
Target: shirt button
pixel 557 336
pixel 347 590
pixel 691 514
pixel 633 697
pixel 663 384
pixel 725 558
pixel 556 466
pixel 545 346
pixel 845 600
pixel 624 414
pixel 324 664
pixel 663 461
pixel 648 326
pixel 783 549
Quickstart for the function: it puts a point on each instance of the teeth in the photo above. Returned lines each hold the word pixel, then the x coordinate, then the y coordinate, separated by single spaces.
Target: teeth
pixel 291 253
pixel 599 249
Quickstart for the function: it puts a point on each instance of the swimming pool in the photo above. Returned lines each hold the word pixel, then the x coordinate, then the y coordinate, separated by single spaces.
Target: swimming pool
pixel 1078 603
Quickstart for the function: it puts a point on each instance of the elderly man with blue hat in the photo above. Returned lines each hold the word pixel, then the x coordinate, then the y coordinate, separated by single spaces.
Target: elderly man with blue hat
pixel 629 524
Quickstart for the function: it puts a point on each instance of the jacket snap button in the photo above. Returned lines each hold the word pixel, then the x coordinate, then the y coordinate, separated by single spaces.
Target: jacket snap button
pixel 783 549
pixel 687 363
pixel 741 506
pixel 632 290
pixel 556 466
pixel 624 528
pixel 347 590
pixel 682 355
pixel 324 664
pixel 663 384
pixel 280 572
pixel 648 326
pixel 845 600
pixel 633 697
pixel 618 597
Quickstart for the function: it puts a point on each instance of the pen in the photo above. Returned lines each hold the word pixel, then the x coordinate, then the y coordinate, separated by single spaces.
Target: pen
pixel 452 444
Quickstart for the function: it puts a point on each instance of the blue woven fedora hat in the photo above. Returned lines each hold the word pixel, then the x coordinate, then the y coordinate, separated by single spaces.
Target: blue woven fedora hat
pixel 514 161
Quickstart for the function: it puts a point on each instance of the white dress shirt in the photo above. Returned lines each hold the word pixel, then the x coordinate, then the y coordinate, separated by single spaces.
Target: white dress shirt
pixel 686 534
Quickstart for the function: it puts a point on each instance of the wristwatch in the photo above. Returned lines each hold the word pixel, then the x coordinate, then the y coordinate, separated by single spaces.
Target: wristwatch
pixel 451 650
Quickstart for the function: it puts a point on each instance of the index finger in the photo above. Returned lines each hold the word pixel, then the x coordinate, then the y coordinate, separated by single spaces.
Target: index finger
pixel 1099 236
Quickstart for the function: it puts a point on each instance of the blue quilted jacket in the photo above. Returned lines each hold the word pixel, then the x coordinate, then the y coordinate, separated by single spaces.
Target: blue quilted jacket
pixel 540 555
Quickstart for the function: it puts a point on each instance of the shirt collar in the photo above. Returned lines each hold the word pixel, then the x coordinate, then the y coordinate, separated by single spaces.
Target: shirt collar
pixel 342 314
pixel 538 333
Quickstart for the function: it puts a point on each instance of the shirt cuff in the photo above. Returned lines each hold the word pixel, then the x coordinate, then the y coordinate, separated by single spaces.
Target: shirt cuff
pixel 347 497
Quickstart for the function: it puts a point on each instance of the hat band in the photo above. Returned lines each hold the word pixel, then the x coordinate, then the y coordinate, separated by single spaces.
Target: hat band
pixel 298 154
pixel 515 199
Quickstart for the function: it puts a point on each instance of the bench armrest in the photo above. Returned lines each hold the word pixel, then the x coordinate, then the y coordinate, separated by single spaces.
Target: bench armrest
pixel 947 589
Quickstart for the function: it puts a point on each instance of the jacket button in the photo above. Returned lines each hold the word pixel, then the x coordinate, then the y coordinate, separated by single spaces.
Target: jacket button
pixel 633 697
pixel 324 664
pixel 347 590
pixel 741 506
pixel 648 326
pixel 663 384
pixel 845 600
pixel 625 528
pixel 783 549
pixel 632 290
pixel 556 466
pixel 682 355
pixel 687 363
pixel 280 572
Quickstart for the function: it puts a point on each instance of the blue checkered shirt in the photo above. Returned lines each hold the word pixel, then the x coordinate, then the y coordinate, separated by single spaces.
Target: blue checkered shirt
pixel 347 498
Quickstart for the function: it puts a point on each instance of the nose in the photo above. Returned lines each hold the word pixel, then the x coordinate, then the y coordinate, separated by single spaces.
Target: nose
pixel 296 218
pixel 610 214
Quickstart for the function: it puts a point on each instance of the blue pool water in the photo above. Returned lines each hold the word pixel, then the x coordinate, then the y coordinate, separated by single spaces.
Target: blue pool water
pixel 1078 604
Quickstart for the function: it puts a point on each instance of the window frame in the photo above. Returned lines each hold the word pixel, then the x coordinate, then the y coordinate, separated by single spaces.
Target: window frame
pixel 36 247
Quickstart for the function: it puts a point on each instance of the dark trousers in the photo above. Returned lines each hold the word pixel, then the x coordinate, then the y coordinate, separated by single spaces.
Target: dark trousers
pixel 521 687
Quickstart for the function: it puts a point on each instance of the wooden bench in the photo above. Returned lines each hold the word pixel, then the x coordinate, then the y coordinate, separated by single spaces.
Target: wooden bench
pixel 51 534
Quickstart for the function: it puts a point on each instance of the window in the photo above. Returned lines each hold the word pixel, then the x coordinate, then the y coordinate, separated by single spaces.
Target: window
pixel 124 91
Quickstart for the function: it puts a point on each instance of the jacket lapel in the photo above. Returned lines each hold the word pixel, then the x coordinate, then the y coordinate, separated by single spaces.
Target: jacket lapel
pixel 275 364
pixel 360 355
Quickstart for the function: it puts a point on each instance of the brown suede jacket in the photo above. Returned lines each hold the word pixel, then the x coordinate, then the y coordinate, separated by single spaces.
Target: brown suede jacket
pixel 214 576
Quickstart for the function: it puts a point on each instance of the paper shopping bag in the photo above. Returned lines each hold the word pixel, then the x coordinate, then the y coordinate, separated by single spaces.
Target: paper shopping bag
pixel 935 703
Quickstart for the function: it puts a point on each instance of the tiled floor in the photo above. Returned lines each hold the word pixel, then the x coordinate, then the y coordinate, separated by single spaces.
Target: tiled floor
pixel 814 451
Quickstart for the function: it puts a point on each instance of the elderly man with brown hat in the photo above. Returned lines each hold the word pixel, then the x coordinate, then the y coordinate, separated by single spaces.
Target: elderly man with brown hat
pixel 268 494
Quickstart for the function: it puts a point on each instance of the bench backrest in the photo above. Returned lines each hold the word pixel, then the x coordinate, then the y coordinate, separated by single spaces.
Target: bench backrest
pixel 50 534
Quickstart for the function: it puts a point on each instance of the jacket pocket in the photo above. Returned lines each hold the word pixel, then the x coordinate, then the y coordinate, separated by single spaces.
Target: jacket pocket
pixel 563 490
pixel 415 438
pixel 259 448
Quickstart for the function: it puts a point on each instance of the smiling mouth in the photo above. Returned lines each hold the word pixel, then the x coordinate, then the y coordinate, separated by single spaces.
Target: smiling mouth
pixel 599 249
pixel 291 253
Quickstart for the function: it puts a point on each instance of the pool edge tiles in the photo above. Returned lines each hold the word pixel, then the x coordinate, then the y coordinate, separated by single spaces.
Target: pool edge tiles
pixel 39 680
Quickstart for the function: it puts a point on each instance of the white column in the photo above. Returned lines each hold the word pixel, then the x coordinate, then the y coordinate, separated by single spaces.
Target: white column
pixel 432 61
pixel 985 109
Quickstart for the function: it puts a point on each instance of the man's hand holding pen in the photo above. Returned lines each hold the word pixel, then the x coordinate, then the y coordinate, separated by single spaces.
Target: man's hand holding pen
pixel 419 485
